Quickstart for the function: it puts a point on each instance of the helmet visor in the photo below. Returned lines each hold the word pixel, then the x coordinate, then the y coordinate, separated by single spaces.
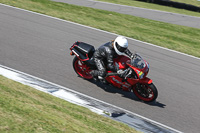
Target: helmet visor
pixel 121 49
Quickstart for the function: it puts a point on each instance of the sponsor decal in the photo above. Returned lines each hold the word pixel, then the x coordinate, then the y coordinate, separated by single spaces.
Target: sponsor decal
pixel 140 73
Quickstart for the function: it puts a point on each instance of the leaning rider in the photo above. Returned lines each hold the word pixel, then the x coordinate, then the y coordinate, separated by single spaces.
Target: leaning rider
pixel 106 53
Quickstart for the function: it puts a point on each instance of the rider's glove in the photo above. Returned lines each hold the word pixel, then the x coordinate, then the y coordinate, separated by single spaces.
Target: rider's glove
pixel 133 56
pixel 120 72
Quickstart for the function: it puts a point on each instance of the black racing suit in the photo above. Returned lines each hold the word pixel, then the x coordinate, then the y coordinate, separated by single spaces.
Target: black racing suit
pixel 104 55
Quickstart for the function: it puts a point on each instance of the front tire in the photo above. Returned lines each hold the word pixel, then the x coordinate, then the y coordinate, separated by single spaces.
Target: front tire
pixel 146 92
pixel 81 69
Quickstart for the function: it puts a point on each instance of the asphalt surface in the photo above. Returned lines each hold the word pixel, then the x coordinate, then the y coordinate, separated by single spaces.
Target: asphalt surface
pixel 39 45
pixel 162 16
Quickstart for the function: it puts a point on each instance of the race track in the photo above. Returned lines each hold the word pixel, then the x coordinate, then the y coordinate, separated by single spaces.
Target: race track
pixel 39 45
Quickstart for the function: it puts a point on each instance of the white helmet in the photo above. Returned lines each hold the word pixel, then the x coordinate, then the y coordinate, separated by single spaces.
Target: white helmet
pixel 120 45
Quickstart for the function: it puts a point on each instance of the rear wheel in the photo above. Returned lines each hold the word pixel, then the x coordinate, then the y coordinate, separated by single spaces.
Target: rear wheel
pixel 146 92
pixel 81 69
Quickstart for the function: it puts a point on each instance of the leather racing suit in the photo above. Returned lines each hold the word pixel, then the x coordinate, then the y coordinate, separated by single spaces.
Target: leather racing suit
pixel 104 55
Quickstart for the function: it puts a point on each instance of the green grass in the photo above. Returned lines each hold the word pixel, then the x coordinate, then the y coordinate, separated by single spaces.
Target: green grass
pixel 158 7
pixel 180 38
pixel 24 110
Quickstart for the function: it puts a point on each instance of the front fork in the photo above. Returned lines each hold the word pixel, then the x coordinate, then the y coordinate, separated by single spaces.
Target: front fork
pixel 142 89
pixel 137 83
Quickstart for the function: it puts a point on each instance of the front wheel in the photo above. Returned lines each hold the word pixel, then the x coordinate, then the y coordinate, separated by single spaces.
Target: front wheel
pixel 81 68
pixel 146 92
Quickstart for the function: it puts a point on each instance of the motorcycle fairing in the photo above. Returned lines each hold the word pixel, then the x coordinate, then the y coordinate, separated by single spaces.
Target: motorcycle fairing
pixel 119 82
pixel 145 80
pixel 121 62
pixel 139 73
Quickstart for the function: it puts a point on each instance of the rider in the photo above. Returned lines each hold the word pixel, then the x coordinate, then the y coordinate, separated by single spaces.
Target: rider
pixel 106 53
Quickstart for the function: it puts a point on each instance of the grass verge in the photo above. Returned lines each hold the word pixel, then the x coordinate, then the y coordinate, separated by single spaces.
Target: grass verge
pixel 24 109
pixel 158 7
pixel 180 38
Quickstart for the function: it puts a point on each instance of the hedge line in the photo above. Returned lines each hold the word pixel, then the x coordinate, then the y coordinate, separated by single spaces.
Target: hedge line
pixel 174 4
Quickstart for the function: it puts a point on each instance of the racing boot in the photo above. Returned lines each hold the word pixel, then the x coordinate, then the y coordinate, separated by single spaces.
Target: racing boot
pixel 94 75
pixel 102 80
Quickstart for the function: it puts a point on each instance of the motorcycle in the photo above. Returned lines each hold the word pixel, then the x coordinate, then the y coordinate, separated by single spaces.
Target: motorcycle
pixel 134 77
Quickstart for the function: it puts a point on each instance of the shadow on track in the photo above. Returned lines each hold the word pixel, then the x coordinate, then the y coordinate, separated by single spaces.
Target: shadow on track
pixel 111 89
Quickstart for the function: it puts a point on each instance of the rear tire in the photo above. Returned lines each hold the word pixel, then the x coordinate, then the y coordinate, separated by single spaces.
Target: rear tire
pixel 146 92
pixel 81 68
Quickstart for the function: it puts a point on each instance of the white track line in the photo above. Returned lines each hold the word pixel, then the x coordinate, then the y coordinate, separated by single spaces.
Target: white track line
pixel 99 30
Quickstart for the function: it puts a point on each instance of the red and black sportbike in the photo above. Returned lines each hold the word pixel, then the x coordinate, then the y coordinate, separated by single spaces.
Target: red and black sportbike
pixel 135 71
